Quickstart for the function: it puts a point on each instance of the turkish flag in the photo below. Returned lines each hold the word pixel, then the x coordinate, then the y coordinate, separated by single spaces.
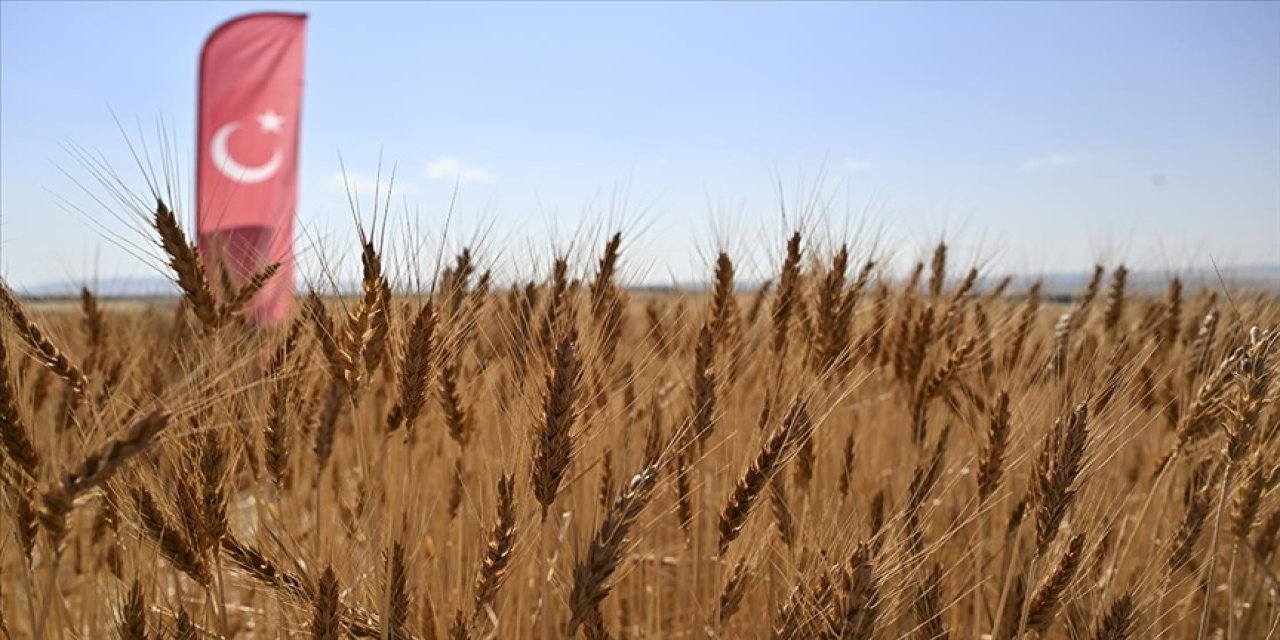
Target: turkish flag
pixel 247 170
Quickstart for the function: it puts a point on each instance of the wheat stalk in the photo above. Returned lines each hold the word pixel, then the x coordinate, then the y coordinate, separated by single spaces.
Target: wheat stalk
pixel 553 437
pixel 604 554
pixel 753 480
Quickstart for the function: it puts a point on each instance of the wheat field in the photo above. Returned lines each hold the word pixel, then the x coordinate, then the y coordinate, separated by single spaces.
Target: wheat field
pixel 836 454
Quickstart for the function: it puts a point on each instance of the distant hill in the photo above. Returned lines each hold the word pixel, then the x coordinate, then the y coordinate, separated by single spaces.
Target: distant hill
pixel 1066 284
pixel 123 287
pixel 1264 277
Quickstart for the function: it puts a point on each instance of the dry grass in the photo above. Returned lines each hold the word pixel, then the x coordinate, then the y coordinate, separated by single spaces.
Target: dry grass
pixel 936 458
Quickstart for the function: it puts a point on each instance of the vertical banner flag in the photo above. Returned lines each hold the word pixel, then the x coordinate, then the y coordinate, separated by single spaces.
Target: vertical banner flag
pixel 247 171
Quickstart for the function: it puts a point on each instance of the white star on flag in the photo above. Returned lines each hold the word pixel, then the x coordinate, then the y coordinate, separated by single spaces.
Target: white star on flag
pixel 270 121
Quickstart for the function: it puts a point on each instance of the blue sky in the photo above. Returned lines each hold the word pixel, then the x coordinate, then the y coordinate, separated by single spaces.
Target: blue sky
pixel 1037 136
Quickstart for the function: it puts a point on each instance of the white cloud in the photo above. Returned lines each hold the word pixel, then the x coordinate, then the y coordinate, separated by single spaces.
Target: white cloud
pixel 452 169
pixel 856 164
pixel 365 185
pixel 1051 161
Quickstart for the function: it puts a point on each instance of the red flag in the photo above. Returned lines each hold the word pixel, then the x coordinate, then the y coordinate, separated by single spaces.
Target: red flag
pixel 247 170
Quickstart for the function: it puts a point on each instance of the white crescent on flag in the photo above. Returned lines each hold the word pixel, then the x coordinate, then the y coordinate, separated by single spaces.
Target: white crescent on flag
pixel 233 170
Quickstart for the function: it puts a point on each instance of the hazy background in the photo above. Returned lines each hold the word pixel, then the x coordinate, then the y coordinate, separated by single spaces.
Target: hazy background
pixel 1039 137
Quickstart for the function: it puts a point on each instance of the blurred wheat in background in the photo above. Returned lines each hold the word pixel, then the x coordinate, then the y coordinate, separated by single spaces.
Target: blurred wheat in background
pixel 839 453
